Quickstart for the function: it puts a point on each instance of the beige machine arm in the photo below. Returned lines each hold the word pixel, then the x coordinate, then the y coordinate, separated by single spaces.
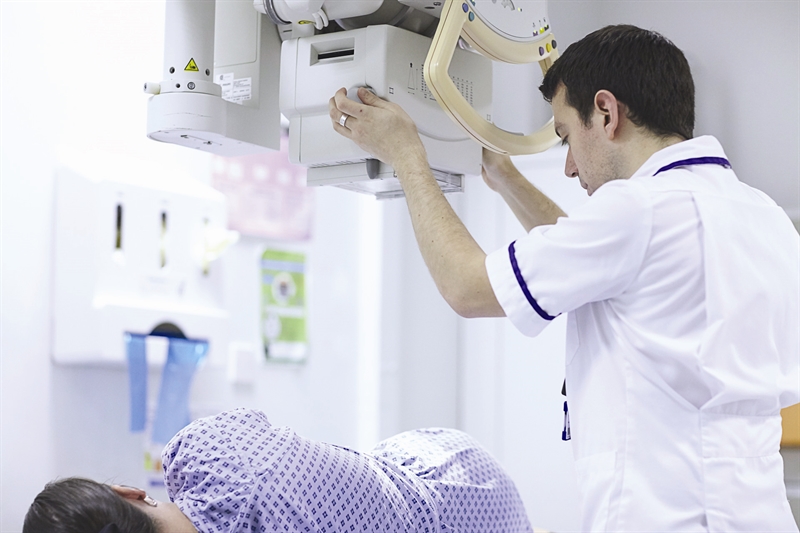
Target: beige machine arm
pixel 457 20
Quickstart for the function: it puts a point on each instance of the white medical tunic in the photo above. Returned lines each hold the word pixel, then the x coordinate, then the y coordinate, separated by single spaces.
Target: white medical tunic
pixel 683 342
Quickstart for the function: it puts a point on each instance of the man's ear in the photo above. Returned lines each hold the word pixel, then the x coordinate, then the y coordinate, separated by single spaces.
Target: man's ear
pixel 129 493
pixel 607 105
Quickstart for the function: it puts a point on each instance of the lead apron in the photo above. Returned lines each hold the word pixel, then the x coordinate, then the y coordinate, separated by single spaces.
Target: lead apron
pixel 674 467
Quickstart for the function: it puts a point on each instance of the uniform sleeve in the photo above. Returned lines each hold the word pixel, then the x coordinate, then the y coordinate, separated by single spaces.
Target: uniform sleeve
pixel 592 255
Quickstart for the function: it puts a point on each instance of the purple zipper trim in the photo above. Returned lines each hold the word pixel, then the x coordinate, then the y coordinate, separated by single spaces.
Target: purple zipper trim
pixel 721 161
pixel 524 286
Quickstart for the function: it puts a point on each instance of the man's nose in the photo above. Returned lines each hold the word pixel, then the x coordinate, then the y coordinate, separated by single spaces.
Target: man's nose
pixel 570 168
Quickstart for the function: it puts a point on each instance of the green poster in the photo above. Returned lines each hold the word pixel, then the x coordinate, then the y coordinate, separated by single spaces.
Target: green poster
pixel 283 310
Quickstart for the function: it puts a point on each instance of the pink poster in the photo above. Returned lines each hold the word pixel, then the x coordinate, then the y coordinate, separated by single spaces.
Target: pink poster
pixel 267 195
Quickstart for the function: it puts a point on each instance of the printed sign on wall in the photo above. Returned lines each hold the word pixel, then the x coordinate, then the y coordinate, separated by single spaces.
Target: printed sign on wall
pixel 283 315
pixel 267 195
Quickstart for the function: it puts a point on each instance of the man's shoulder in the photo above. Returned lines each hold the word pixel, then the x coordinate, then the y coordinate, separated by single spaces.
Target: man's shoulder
pixel 623 187
pixel 621 201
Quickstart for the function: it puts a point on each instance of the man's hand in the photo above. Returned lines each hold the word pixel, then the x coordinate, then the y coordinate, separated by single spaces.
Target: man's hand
pixel 381 128
pixel 496 168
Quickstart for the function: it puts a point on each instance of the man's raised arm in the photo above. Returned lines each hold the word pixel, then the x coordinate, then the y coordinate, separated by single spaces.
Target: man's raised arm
pixel 454 259
pixel 456 262
pixel 531 207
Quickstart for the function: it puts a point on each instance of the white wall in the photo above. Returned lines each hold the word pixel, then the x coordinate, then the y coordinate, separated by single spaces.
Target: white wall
pixel 419 363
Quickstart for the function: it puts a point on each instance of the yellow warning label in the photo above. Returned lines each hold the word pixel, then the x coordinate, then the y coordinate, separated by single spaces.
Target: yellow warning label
pixel 191 66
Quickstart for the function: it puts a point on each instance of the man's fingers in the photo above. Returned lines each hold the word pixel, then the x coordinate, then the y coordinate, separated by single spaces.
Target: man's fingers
pixel 370 98
pixel 342 130
pixel 336 117
pixel 354 108
pixel 345 105
pixel 334 111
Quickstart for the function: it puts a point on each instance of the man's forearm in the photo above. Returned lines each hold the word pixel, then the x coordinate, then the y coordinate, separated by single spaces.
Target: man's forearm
pixel 531 206
pixel 454 259
pixel 456 262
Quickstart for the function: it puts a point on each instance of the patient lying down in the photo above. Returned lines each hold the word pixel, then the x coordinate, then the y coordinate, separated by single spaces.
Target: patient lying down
pixel 235 472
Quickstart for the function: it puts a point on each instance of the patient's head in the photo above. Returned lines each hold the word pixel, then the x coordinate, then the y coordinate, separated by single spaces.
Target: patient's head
pixel 77 505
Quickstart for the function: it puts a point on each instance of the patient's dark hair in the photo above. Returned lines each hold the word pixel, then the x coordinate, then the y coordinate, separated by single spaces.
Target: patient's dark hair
pixel 641 68
pixel 77 505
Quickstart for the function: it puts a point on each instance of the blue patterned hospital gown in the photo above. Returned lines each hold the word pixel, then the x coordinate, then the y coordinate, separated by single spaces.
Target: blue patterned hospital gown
pixel 235 472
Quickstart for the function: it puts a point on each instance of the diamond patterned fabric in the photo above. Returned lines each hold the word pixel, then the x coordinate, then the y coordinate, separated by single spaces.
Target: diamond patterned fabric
pixel 236 473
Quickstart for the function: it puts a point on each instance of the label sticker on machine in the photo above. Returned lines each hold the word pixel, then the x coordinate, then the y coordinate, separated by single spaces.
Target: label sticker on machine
pixel 235 90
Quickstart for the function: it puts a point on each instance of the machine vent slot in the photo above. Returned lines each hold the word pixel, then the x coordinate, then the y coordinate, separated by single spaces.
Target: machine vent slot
pixel 333 51
pixel 322 56
pixel 337 163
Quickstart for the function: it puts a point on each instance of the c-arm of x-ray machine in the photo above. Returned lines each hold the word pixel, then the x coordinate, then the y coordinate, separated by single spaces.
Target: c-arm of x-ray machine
pixel 231 70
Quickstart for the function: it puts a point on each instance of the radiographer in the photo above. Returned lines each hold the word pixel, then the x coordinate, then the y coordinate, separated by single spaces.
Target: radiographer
pixel 680 283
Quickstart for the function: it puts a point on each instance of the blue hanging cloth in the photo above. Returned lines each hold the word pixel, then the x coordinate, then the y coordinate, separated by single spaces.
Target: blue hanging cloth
pixel 137 379
pixel 172 413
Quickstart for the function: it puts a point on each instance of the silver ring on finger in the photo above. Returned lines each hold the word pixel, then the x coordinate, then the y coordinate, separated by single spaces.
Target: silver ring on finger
pixel 343 120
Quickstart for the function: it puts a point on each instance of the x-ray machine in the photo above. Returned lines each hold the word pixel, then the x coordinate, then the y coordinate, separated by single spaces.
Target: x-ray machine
pixel 230 70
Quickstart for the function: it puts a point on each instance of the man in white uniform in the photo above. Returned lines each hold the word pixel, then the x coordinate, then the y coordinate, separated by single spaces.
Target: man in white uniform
pixel 681 285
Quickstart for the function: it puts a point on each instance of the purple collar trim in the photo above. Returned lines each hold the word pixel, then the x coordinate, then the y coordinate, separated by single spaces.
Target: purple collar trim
pixel 721 161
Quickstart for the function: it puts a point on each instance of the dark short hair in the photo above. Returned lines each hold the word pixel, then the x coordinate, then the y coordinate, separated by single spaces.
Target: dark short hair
pixel 77 505
pixel 641 68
